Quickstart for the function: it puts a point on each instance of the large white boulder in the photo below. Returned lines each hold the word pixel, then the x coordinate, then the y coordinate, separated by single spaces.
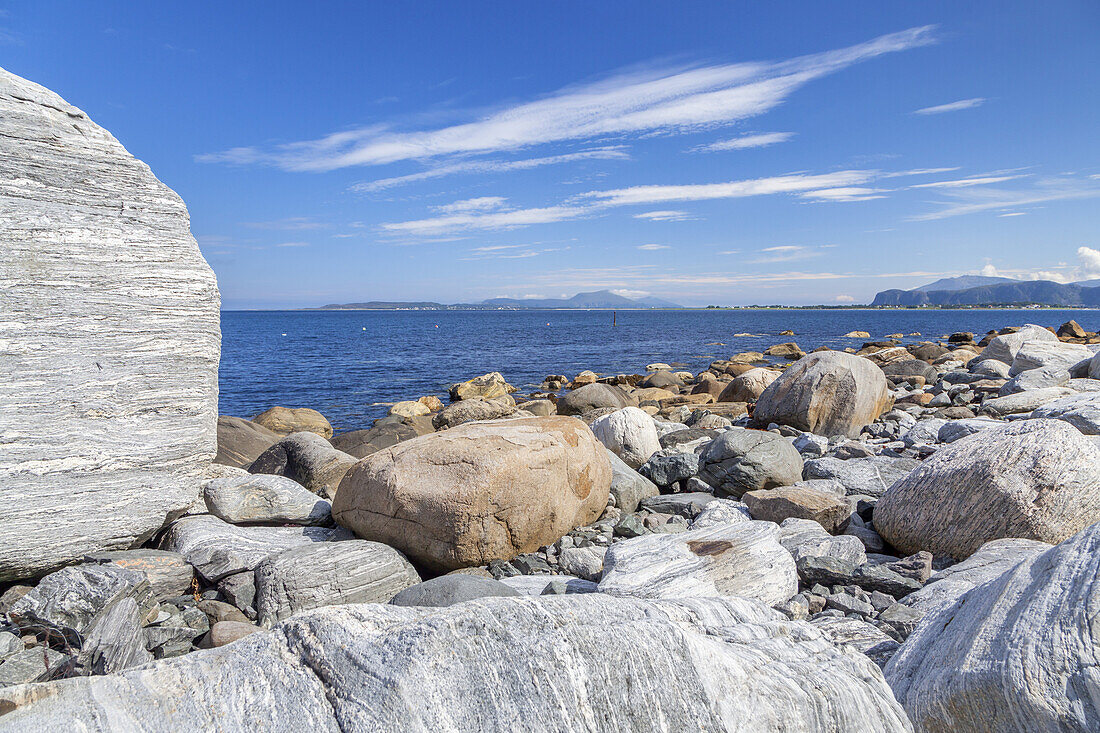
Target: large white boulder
pixel 629 433
pixel 1036 479
pixel 553 663
pixel 1006 346
pixel 1018 653
pixel 738 559
pixel 109 340
pixel 1045 353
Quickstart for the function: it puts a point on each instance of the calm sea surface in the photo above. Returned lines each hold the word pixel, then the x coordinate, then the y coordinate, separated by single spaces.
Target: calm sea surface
pixel 348 364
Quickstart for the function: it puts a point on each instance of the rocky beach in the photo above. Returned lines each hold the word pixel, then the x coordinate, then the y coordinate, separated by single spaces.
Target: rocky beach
pixel 900 535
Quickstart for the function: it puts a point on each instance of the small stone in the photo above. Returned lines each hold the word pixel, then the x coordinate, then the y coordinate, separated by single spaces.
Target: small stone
pixel 31 665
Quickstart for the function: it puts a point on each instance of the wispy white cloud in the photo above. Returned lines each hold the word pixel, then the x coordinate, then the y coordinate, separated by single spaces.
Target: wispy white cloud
pixel 666 215
pixel 510 219
pixel 652 247
pixel 481 203
pixel 845 194
pixel 1013 213
pixel 793 183
pixel 977 199
pixel 754 140
pixel 613 152
pixel 964 182
pixel 292 244
pixel 918 172
pixel 786 253
pixel 844 299
pixel 664 101
pixel 951 106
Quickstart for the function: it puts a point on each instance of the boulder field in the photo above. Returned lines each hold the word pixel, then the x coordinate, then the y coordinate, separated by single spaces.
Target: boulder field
pixel 903 536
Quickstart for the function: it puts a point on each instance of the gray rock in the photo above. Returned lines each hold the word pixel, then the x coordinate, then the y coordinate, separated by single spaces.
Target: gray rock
pixel 902 619
pixel 177 634
pixel 308 459
pixel 990 368
pixel 265 498
pixel 1005 347
pixel 721 511
pixel 109 340
pixel 240 441
pixel 169 574
pixel 687 505
pixel 584 562
pixel 115 641
pixel 537 585
pixel 743 559
pixel 845 548
pixel 240 590
pixel 361 443
pixel 828 393
pixel 992 560
pixel 329 574
pixel 218 549
pixel 1043 378
pixel 831 571
pixel 859 635
pixel 628 433
pixel 665 470
pixel 593 397
pixel 743 460
pixel 846 603
pixel 1082 411
pixel 1021 402
pixel 1016 653
pixel 32 665
pixel 924 432
pixel 956 429
pixel 1034 478
pixel 447 590
pixel 1034 355
pixel 9 644
pixel 628 486
pixel 73 597
pixel 810 445
pixel 871 476
pixel 700 664
pixel 472 410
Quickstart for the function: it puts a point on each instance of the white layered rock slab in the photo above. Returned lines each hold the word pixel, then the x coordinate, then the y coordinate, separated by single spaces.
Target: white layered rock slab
pixel 109 340
pixel 563 663
pixel 741 559
pixel 218 549
pixel 1018 653
pixel 265 498
pixel 327 574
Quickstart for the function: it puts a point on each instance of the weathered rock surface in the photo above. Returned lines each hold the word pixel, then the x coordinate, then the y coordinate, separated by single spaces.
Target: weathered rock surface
pixel 110 383
pixel 115 641
pixel 471 410
pixel 749 386
pixel 169 574
pixel 628 487
pixel 1005 347
pixel 720 511
pixel 308 459
pixel 743 460
pixel 1035 479
pixel 629 433
pixel 870 476
pixel 361 443
pixel 73 597
pixel 218 549
pixel 290 420
pixel 1048 354
pixel 487 387
pixel 227 632
pixel 1023 401
pixel 329 574
pixel 1082 411
pixel 1017 653
pixel 478 492
pixel 592 397
pixel 240 441
pixel 743 559
pixel 447 590
pixel 827 393
pixel 799 502
pixel 265 498
pixel 992 560
pixel 703 664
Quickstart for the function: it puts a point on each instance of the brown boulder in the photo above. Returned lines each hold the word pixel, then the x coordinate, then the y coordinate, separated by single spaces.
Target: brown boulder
pixel 241 441
pixel 287 420
pixel 478 492
pixel 800 502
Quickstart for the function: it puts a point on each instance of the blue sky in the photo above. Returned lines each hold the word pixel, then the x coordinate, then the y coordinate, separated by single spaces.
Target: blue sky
pixel 705 152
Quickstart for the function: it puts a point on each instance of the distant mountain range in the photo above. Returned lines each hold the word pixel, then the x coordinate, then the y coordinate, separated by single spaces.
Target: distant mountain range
pixel 596 300
pixel 981 290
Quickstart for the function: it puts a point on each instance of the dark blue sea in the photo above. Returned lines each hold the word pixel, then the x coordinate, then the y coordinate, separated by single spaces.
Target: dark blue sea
pixel 349 364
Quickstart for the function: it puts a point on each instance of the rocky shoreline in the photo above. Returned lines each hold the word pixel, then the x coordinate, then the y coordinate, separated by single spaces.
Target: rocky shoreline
pixel 863 494
pixel 903 535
